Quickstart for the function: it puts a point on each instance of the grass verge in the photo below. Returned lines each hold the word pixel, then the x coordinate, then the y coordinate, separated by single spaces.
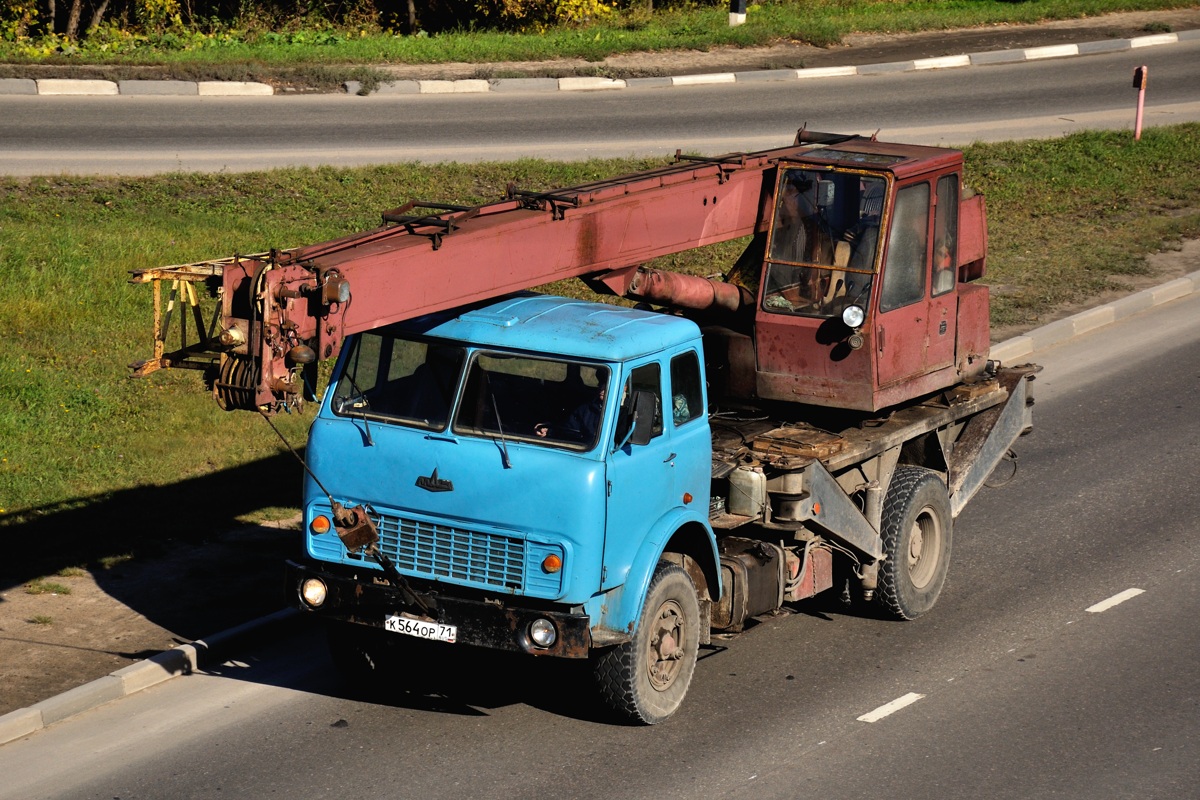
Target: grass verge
pixel 97 467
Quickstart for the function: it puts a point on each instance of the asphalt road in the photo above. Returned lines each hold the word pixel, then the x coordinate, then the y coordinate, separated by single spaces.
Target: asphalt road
pixel 1024 691
pixel 141 135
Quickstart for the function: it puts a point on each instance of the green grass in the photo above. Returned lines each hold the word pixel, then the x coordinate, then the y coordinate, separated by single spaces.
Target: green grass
pixel 817 22
pixel 109 562
pixel 1070 217
pixel 43 586
pixel 95 466
pixel 41 619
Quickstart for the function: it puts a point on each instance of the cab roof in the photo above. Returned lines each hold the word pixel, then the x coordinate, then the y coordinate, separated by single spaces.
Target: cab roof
pixel 902 160
pixel 559 326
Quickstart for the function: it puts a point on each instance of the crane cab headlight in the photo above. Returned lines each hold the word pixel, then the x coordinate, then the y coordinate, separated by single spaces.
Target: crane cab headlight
pixel 854 316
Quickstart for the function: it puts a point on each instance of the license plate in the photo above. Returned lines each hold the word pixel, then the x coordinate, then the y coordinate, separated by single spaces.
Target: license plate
pixel 420 628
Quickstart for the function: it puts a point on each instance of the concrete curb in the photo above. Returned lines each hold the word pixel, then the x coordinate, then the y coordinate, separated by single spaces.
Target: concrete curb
pixel 64 86
pixel 182 660
pixel 1064 330
pixel 188 658
pixel 759 76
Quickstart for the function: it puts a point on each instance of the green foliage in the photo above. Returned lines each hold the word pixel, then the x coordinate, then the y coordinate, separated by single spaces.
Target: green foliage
pixel 541 15
pixel 355 32
pixel 158 15
pixel 18 20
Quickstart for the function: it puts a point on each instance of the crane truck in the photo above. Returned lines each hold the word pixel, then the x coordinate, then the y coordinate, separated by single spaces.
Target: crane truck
pixel 491 467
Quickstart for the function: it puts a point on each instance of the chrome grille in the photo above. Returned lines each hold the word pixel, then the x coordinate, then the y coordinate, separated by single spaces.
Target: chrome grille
pixel 459 554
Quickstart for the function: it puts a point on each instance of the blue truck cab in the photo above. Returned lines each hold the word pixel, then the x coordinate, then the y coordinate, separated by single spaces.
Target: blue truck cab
pixel 532 465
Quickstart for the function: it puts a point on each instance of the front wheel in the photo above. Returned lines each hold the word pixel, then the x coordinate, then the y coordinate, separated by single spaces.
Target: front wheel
pixel 646 678
pixel 917 529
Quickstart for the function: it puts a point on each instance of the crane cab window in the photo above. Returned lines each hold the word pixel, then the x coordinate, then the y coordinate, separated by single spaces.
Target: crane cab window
pixel 945 235
pixel 907 250
pixel 824 240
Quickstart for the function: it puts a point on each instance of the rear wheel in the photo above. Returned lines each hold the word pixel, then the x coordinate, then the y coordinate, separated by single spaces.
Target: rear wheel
pixel 917 532
pixel 645 679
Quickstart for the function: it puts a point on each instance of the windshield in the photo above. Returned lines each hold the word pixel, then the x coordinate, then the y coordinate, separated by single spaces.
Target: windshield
pixel 416 383
pixel 824 241
pixel 534 399
pixel 404 380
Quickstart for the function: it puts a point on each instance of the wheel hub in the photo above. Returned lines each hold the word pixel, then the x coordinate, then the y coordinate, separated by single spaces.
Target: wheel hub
pixel 924 548
pixel 916 543
pixel 665 646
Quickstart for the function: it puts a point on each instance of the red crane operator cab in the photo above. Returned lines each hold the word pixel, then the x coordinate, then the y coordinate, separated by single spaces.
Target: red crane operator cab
pixel 864 298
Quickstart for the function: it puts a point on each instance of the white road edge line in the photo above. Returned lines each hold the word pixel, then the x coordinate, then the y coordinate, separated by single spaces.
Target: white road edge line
pixel 890 708
pixel 1116 599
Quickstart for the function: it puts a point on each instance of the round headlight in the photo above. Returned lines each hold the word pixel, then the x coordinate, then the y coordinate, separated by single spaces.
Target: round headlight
pixel 853 316
pixel 313 591
pixel 542 632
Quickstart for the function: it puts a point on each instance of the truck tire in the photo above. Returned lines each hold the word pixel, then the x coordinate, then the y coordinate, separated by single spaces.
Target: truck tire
pixel 917 533
pixel 645 679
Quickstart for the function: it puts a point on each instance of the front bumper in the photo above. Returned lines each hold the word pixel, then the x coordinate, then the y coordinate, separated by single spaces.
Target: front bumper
pixel 494 624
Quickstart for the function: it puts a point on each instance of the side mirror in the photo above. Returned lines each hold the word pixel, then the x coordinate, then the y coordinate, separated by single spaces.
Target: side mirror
pixel 645 404
pixel 635 422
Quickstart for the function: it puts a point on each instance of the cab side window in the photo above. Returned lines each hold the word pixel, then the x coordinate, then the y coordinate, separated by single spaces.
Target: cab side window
pixel 945 235
pixel 687 397
pixel 647 380
pixel 904 270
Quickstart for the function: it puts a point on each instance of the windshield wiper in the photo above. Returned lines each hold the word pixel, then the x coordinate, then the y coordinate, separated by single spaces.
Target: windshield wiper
pixel 500 428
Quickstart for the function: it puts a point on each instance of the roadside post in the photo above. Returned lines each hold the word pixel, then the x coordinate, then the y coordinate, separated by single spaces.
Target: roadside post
pixel 1140 77
pixel 737 13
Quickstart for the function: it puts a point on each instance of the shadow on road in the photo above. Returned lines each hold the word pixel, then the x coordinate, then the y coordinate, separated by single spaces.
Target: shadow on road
pixel 177 554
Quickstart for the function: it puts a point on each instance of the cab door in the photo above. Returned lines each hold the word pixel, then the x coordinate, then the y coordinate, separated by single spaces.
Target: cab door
pixel 902 324
pixel 641 479
pixel 943 295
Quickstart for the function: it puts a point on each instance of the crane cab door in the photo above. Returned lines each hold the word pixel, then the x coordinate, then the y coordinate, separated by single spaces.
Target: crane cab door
pixel 915 326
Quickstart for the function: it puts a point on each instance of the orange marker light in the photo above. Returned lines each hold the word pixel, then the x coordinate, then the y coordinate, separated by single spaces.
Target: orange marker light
pixel 687 498
pixel 816 508
pixel 320 524
pixel 551 563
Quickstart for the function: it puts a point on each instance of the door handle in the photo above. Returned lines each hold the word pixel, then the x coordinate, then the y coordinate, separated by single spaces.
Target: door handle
pixel 669 459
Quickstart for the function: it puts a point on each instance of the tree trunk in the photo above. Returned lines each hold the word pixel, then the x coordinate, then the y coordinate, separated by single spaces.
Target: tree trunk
pixel 412 17
pixel 73 19
pixel 99 15
pixel 50 14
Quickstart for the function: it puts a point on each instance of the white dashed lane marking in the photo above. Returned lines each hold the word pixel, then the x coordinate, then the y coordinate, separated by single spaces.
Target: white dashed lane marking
pixel 907 700
pixel 1116 599
pixel 890 708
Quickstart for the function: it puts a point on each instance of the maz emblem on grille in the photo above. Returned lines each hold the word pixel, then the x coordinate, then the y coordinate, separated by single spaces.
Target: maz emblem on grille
pixel 432 483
